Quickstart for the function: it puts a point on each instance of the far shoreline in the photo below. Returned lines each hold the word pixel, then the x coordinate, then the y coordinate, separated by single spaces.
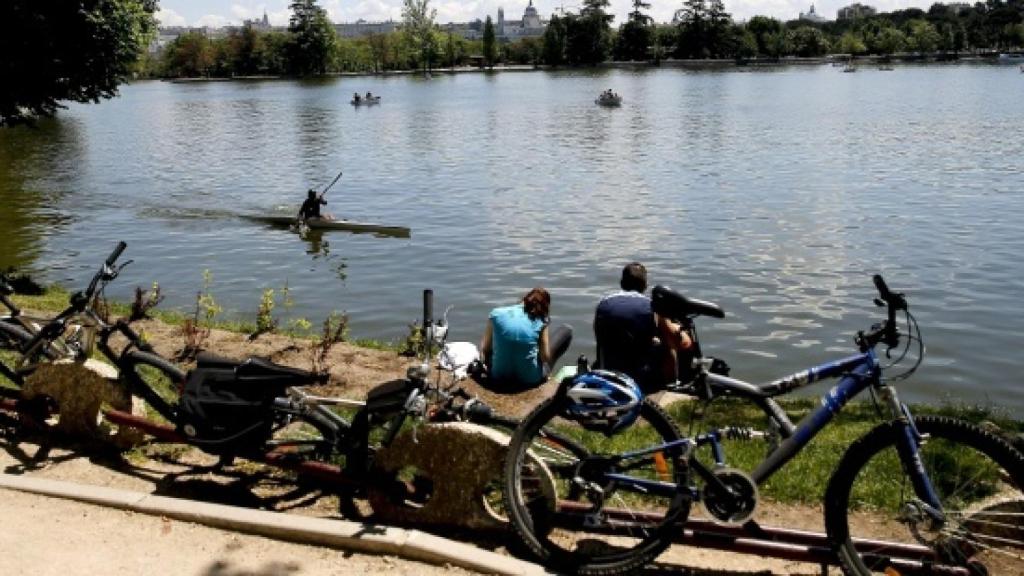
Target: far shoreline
pixel 689 64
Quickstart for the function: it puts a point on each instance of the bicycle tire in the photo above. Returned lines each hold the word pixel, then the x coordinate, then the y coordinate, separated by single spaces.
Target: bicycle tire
pixel 978 477
pixel 549 527
pixel 12 339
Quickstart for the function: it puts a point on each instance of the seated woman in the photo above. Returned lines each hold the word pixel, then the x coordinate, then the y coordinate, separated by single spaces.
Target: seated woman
pixel 517 348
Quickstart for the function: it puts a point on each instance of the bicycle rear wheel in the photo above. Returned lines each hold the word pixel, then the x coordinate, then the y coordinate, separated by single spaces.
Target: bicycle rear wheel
pixel 977 477
pixel 588 523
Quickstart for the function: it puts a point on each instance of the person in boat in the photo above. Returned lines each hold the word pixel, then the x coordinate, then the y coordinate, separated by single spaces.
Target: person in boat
pixel 518 348
pixel 369 96
pixel 633 339
pixel 355 97
pixel 311 207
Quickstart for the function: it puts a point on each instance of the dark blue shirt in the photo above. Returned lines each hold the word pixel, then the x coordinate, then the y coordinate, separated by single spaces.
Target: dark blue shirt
pixel 625 330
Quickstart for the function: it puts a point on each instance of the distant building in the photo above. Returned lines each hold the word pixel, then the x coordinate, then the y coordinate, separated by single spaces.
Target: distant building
pixel 812 16
pixel 262 25
pixel 855 11
pixel 530 26
pixel 363 28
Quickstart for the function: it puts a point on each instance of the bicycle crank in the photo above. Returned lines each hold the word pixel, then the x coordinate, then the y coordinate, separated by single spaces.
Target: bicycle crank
pixel 737 503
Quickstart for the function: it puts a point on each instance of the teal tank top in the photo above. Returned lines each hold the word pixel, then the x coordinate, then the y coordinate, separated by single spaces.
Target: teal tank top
pixel 515 345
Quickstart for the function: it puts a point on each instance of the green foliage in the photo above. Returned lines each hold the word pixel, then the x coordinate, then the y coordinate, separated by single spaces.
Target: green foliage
pixel 807 41
pixel 335 329
pixel 588 36
pixel 851 43
pixel 189 55
pixel 554 42
pixel 196 329
pixel 311 43
pixel 418 27
pixel 636 35
pixel 73 50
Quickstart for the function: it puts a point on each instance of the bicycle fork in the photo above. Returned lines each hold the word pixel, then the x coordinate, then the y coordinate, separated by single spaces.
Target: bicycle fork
pixel 908 447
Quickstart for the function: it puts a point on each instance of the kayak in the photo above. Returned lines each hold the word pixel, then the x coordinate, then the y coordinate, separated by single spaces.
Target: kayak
pixel 326 224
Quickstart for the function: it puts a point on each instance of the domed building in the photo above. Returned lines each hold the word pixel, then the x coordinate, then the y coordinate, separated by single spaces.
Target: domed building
pixel 530 26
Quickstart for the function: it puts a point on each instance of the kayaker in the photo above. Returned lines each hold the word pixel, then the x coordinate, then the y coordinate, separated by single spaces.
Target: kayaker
pixel 311 207
pixel 631 338
pixel 355 97
pixel 518 351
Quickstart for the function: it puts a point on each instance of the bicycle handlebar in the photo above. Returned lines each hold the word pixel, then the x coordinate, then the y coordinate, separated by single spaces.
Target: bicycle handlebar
pixel 886 333
pixel 116 253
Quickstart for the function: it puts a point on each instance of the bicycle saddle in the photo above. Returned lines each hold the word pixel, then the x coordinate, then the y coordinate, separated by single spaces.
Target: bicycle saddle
pixel 669 303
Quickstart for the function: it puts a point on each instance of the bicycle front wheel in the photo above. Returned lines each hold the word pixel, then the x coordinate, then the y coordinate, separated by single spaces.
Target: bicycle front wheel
pixel 568 509
pixel 878 525
pixel 14 366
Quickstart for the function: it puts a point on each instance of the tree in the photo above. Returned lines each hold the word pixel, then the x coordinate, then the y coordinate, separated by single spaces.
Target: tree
pixel 808 41
pixel 418 25
pixel 635 35
pixel 246 51
pixel 189 55
pixel 763 27
pixel 692 21
pixel 77 50
pixel 588 35
pixel 554 42
pixel 489 46
pixel 312 39
pixel 851 43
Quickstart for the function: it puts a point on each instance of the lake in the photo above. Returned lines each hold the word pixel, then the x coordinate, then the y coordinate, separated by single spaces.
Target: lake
pixel 775 193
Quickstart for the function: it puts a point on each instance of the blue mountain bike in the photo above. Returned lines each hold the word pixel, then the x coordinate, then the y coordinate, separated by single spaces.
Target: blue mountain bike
pixel 920 494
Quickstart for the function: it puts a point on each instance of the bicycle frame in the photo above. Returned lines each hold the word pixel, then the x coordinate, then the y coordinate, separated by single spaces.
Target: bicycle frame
pixel 856 373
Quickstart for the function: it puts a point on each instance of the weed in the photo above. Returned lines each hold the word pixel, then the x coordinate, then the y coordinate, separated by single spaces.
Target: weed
pixel 413 343
pixel 196 329
pixel 335 330
pixel 145 300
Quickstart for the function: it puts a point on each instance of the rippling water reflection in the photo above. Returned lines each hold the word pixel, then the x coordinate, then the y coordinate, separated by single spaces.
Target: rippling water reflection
pixel 774 193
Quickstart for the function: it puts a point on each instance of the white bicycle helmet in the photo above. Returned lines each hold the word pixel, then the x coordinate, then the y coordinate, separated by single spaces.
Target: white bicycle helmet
pixel 604 400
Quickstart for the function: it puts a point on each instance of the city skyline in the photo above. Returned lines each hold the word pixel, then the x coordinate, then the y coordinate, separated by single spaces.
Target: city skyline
pixel 217 13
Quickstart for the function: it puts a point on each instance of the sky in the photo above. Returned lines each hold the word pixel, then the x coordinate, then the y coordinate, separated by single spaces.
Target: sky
pixel 216 13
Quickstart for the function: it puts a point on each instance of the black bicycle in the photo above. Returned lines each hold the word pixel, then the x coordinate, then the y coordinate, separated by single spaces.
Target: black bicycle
pixel 924 494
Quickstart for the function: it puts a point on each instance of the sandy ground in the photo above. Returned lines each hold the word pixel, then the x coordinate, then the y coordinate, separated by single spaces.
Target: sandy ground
pixel 51 536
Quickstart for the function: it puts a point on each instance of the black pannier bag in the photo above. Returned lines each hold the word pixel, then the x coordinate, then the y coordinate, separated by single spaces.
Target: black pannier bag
pixel 227 406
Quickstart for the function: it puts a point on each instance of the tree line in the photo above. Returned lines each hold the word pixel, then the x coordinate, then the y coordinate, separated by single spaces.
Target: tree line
pixel 701 29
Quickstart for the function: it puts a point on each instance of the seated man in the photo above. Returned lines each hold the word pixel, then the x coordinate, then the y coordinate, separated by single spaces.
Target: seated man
pixel 311 207
pixel 634 340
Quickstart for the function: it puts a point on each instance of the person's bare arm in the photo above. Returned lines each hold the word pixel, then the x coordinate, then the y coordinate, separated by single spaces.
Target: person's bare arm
pixel 485 344
pixel 542 344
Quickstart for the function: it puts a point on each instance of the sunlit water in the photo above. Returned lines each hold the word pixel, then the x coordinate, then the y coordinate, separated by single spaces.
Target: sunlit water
pixel 774 193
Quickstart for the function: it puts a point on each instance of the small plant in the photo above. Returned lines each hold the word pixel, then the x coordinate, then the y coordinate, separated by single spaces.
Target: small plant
pixel 335 330
pixel 196 330
pixel 265 321
pixel 145 300
pixel 22 283
pixel 413 343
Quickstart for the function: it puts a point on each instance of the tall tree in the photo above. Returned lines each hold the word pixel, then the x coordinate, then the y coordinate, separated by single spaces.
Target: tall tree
pixel 312 39
pixel 636 34
pixel 418 24
pixel 554 42
pixel 692 24
pixel 588 36
pixel 76 50
pixel 489 45
pixel 190 55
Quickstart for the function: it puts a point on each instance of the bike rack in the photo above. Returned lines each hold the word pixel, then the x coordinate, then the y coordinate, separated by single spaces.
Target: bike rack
pixel 749 538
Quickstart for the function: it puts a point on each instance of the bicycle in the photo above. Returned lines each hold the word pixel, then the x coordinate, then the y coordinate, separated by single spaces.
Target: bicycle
pixel 941 494
pixel 254 408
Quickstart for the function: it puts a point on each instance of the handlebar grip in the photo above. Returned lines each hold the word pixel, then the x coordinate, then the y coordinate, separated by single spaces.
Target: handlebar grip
pixel 117 252
pixel 883 288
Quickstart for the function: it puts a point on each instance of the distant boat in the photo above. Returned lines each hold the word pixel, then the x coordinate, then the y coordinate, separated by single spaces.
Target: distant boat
pixel 364 101
pixel 849 68
pixel 1011 58
pixel 606 99
pixel 886 68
